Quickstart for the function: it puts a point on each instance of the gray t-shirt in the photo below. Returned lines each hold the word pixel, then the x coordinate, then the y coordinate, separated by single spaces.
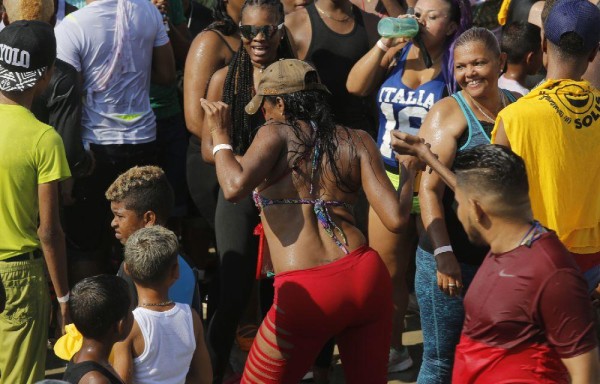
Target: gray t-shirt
pixel 117 110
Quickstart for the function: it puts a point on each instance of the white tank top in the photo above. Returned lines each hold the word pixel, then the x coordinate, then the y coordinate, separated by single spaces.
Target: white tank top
pixel 169 344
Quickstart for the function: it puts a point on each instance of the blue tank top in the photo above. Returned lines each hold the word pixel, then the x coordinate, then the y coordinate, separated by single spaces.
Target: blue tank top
pixel 403 108
pixel 475 134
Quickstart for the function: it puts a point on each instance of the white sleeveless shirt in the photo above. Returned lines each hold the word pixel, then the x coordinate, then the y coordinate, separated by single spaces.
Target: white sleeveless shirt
pixel 169 344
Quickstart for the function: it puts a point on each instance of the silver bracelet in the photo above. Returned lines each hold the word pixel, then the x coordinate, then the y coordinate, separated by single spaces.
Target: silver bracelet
pixel 217 148
pixel 64 299
pixel 443 249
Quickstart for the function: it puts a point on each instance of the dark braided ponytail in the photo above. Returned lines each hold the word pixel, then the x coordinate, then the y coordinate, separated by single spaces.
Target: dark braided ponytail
pixel 239 85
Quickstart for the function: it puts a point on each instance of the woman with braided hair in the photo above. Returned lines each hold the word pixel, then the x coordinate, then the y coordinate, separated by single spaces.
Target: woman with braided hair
pixel 305 172
pixel 221 40
pixel 261 29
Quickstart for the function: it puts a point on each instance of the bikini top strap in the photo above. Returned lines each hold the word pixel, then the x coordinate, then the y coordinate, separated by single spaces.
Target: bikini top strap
pixel 218 33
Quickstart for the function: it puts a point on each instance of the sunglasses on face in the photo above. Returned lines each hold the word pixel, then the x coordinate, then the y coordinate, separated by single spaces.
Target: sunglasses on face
pixel 249 32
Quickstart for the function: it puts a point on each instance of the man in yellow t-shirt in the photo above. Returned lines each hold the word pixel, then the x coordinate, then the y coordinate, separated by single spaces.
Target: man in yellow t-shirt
pixel 556 130
pixel 32 162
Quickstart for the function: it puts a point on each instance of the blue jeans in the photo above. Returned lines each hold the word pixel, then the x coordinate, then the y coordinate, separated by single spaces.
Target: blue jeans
pixel 441 319
pixel 592 277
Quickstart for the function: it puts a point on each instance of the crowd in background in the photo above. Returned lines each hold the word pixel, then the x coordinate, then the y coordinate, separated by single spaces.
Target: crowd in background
pixel 313 175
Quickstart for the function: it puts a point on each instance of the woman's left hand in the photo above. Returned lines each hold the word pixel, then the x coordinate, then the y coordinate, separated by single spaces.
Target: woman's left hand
pixel 217 116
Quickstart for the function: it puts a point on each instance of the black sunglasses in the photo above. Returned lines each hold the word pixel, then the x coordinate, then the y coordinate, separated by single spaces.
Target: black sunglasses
pixel 249 32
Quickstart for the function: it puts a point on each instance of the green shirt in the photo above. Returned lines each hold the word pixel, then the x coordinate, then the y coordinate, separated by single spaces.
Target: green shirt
pixel 31 153
pixel 164 99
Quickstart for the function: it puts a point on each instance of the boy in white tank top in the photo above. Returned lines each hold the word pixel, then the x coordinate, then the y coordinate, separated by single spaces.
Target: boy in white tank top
pixel 166 343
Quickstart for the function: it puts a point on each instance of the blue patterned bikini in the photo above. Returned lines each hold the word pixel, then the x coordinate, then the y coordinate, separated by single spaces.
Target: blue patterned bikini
pixel 319 205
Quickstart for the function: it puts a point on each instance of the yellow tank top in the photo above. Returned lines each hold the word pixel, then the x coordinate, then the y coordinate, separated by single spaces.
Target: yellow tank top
pixel 556 130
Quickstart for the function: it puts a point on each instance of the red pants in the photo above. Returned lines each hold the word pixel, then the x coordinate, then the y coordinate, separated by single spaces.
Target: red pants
pixel 349 299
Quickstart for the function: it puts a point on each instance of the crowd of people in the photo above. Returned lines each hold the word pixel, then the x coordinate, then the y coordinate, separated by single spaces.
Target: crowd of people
pixel 335 171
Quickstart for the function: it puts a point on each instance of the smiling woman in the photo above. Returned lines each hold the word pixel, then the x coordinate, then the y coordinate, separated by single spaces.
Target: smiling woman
pixel 446 260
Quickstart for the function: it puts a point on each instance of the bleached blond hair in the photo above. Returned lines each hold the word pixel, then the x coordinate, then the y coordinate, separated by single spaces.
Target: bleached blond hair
pixel 41 10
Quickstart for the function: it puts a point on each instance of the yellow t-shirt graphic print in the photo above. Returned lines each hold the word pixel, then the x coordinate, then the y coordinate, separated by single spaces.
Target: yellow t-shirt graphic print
pixel 556 130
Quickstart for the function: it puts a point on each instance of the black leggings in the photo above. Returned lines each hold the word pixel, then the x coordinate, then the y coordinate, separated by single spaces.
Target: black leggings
pixel 237 247
pixel 202 182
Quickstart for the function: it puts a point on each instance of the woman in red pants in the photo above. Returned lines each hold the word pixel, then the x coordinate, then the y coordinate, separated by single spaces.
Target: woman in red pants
pixel 306 173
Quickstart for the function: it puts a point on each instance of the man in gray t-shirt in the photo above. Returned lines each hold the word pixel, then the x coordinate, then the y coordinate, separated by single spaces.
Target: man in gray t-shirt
pixel 118 47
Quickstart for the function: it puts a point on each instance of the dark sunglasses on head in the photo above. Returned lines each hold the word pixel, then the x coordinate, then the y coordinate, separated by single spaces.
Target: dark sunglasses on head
pixel 249 32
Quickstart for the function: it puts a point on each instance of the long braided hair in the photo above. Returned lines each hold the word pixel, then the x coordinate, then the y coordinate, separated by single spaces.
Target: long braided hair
pixel 239 85
pixel 326 139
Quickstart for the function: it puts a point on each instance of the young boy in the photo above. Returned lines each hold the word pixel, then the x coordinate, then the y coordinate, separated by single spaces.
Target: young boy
pixel 142 197
pixel 151 260
pixel 99 308
pixel 521 41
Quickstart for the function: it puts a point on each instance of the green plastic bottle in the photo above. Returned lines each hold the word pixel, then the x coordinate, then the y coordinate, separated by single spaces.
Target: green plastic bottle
pixel 391 27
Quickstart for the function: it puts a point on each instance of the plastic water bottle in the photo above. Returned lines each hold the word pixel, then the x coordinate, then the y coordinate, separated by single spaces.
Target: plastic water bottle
pixel 392 27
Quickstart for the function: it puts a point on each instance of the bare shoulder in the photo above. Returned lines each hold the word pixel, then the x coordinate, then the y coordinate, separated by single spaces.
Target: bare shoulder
pixel 275 129
pixel 360 140
pixel 207 39
pixel 296 20
pixel 445 119
pixel 94 377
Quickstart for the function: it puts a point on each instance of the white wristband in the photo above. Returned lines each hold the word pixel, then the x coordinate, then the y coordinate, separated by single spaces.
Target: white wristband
pixel 382 46
pixel 217 148
pixel 443 249
pixel 64 299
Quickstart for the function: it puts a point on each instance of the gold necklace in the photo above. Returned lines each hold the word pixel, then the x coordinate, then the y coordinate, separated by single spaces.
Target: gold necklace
pixel 476 104
pixel 162 304
pixel 326 14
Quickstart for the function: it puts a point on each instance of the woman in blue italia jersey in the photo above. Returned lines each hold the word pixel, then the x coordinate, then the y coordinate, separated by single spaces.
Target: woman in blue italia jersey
pixel 409 77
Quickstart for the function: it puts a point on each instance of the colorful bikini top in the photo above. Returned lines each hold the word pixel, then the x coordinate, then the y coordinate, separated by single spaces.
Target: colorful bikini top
pixel 320 206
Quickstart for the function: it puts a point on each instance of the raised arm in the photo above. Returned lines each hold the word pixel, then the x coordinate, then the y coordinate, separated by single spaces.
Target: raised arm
pixel 442 126
pixel 407 144
pixel 199 68
pixel 238 179
pixel 214 94
pixel 200 368
pixel 378 187
pixel 369 72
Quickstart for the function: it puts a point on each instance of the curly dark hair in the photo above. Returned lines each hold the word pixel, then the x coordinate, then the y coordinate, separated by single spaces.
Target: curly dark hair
pixel 239 85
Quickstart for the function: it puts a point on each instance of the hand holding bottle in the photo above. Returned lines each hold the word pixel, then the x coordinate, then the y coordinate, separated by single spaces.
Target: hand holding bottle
pixel 397 30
